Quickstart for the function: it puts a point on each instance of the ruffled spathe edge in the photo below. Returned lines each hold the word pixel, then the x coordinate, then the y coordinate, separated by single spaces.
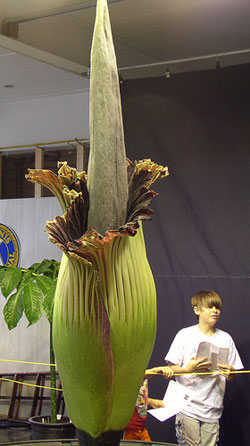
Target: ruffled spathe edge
pixel 70 231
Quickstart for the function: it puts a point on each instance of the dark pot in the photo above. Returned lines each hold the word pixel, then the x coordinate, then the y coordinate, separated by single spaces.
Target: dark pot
pixel 111 438
pixel 43 429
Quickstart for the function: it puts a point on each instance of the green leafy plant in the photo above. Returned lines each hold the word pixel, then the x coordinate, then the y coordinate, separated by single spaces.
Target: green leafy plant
pixel 31 291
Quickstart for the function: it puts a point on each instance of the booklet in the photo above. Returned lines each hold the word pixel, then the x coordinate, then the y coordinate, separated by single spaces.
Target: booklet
pixel 217 355
pixel 175 399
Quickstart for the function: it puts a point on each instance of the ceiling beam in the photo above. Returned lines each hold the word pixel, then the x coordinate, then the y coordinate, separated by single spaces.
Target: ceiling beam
pixel 55 11
pixel 48 58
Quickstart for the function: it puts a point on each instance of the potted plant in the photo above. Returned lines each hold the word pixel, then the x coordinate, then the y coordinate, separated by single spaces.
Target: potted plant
pixel 31 291
pixel 104 320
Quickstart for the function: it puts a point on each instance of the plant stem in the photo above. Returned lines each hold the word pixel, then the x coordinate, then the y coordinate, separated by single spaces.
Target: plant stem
pixel 52 380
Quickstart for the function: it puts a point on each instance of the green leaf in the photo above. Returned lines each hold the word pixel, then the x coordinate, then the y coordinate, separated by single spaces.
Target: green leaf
pixel 48 303
pixel 44 283
pixel 32 302
pixel 44 267
pixel 34 266
pixel 13 310
pixel 11 280
pixel 27 277
pixel 2 272
pixel 56 266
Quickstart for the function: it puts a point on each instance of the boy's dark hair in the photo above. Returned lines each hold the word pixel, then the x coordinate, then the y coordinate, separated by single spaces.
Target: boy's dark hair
pixel 207 299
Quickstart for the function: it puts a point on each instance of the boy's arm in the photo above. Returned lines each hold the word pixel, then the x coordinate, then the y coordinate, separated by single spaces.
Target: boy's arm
pixel 165 371
pixel 155 404
pixel 226 370
pixel 194 366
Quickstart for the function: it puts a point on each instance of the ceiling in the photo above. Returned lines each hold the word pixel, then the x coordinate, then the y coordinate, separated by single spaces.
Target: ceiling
pixel 45 45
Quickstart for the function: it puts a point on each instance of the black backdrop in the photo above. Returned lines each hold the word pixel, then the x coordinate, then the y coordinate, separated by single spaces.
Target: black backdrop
pixel 199 125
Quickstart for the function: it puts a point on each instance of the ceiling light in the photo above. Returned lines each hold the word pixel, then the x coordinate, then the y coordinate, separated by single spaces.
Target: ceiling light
pixel 167 73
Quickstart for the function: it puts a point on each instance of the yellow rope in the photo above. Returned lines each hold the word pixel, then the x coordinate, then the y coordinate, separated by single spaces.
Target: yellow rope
pixel 28 362
pixel 176 374
pixel 29 384
pixel 202 373
pixel 60 390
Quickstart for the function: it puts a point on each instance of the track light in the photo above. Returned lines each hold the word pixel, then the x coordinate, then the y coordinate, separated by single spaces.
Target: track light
pixel 167 73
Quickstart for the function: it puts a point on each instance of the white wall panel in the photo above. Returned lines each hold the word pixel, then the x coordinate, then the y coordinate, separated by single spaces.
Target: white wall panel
pixel 46 119
pixel 28 218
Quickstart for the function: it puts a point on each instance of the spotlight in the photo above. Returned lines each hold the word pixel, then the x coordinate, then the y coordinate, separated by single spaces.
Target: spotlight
pixel 167 73
pixel 121 79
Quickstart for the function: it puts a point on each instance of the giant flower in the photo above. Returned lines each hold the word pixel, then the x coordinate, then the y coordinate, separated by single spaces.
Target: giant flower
pixel 104 322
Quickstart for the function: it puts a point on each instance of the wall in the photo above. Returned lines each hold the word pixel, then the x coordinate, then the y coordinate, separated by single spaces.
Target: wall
pixel 54 118
pixel 42 119
pixel 27 217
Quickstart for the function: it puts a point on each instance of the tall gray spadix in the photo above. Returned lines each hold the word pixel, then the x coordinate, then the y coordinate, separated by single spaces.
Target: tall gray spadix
pixel 107 173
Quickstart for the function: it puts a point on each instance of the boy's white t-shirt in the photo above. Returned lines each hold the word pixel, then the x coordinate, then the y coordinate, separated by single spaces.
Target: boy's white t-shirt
pixel 207 403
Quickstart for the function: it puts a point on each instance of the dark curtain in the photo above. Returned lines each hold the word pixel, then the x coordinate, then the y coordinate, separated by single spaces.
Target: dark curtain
pixel 199 125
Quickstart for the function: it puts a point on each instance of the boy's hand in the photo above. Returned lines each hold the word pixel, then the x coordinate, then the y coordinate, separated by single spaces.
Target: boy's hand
pixel 165 371
pixel 198 365
pixel 155 404
pixel 226 370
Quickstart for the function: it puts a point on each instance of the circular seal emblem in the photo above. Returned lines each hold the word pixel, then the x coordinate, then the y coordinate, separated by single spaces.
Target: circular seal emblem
pixel 9 246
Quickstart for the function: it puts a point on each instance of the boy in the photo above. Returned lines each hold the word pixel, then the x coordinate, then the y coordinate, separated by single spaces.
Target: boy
pixel 136 429
pixel 198 423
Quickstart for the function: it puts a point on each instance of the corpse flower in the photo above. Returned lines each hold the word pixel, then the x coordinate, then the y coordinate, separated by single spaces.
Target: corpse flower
pixel 104 322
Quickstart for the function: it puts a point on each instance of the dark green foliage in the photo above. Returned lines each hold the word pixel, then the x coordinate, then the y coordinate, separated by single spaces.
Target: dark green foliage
pixel 30 291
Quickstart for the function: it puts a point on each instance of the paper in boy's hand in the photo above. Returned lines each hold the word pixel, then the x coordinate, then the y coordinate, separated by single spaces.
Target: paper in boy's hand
pixel 216 355
pixel 175 399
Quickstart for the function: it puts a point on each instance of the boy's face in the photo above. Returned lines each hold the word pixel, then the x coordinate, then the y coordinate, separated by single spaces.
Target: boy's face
pixel 208 316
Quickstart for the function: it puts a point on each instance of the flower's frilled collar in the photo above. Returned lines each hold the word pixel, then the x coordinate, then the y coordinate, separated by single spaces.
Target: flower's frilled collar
pixel 70 232
pixel 66 186
pixel 141 176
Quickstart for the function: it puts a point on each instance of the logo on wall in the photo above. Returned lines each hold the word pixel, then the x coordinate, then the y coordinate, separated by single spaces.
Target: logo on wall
pixel 9 246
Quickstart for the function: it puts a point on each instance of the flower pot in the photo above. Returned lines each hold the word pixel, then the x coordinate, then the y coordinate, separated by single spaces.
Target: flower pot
pixel 43 429
pixel 111 438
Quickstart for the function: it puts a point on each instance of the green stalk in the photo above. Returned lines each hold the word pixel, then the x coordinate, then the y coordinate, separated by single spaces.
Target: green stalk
pixel 53 405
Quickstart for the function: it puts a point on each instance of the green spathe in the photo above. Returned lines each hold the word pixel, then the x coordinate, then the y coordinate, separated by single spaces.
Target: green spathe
pixel 104 334
pixel 105 302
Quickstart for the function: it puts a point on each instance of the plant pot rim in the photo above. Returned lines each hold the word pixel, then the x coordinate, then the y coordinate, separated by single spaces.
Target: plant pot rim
pixel 37 419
